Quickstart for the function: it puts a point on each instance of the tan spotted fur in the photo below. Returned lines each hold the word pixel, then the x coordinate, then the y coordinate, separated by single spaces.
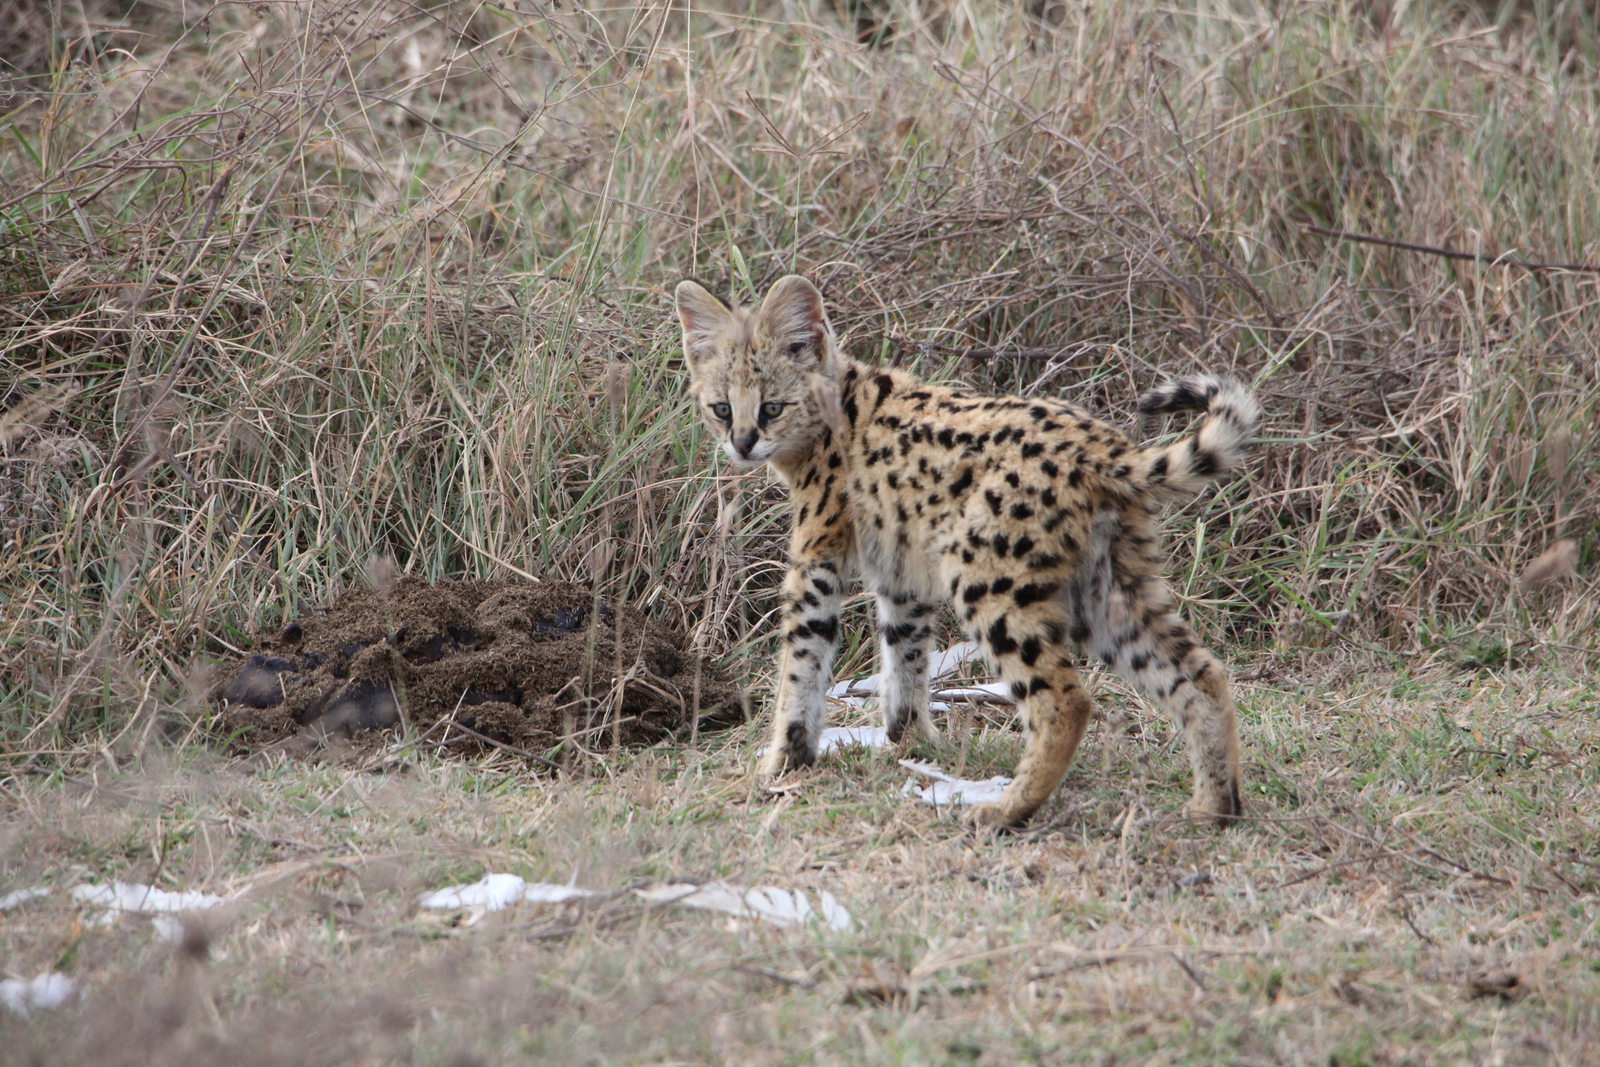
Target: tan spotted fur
pixel 1034 521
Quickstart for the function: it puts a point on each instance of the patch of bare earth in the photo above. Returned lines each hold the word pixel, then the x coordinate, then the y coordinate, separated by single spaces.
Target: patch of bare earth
pixel 469 664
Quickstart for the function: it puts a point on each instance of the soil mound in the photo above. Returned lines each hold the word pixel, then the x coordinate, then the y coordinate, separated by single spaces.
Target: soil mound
pixel 526 665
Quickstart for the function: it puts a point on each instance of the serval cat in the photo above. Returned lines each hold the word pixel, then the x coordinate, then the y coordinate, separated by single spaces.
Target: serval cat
pixel 1033 520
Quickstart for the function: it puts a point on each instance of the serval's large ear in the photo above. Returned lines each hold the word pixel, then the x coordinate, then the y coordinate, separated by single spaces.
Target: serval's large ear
pixel 704 316
pixel 792 314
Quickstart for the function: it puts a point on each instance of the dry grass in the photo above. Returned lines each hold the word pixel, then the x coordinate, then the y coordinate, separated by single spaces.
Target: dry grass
pixel 288 286
pixel 1401 866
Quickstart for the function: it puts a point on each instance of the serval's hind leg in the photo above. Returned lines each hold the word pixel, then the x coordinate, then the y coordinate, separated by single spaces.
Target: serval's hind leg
pixel 1175 671
pixel 1123 612
pixel 1026 645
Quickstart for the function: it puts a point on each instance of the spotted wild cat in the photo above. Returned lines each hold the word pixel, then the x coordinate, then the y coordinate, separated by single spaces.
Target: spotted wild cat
pixel 1033 520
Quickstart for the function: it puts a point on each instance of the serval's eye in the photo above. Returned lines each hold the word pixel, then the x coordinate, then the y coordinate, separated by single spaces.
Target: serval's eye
pixel 773 408
pixel 797 347
pixel 722 411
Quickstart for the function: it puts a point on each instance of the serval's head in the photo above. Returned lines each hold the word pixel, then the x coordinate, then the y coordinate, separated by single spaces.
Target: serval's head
pixel 765 380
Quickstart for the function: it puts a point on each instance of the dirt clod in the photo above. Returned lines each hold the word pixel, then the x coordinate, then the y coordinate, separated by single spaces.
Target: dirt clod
pixel 523 664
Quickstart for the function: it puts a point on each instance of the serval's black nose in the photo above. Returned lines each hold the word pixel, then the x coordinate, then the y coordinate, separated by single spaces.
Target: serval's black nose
pixel 743 444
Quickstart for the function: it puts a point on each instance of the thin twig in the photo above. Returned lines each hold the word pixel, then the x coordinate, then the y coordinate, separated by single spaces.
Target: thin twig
pixel 1405 913
pixel 469 731
pixel 1449 253
pixel 1371 857
pixel 1011 353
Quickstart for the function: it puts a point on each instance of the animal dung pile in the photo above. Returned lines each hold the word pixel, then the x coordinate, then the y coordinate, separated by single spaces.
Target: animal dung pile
pixel 527 665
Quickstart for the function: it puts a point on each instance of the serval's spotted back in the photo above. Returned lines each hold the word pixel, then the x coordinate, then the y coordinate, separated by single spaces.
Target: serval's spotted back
pixel 1033 520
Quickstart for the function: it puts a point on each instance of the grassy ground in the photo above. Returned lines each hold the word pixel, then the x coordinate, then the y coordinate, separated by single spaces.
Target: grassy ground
pixel 1417 884
pixel 287 288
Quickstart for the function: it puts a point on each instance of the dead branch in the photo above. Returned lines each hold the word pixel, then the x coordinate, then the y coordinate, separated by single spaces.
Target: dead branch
pixel 1450 253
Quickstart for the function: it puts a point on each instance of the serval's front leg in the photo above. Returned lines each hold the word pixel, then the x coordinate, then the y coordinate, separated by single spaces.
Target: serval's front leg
pixel 812 595
pixel 903 633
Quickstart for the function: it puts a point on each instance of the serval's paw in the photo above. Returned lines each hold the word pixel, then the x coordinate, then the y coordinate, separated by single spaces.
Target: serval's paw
pixel 992 817
pixel 1216 802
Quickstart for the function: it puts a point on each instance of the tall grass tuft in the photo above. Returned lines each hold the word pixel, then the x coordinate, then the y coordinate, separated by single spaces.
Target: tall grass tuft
pixel 288 286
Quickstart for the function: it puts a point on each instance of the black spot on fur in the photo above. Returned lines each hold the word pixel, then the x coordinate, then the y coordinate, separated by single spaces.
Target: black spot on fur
pixel 885 384
pixel 1001 643
pixel 898 632
pixel 796 749
pixel 827 629
pixel 1034 592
